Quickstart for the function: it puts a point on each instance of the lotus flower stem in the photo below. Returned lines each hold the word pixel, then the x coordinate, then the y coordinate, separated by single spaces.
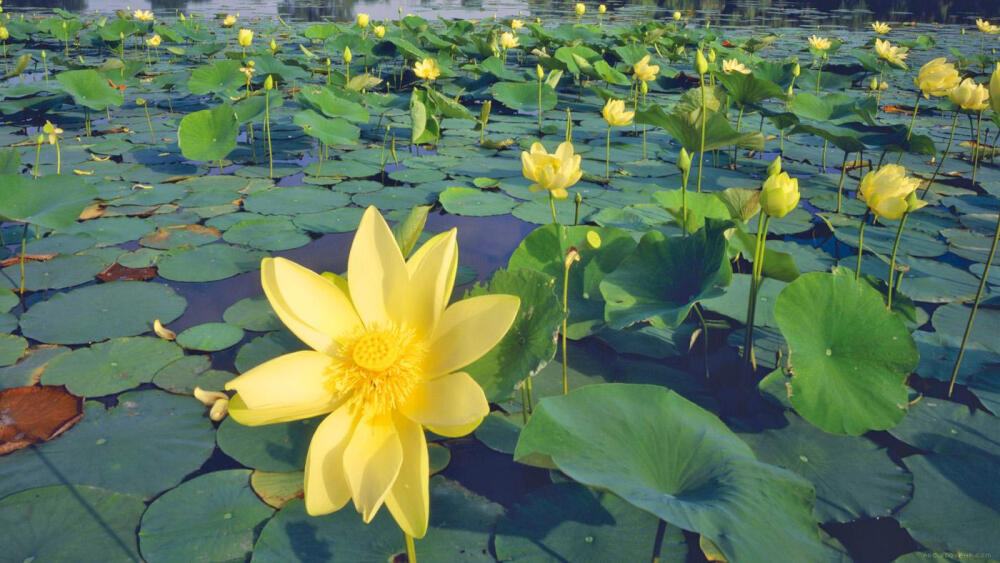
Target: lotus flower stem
pixel 24 238
pixel 892 261
pixel 152 136
pixel 38 155
pixel 607 156
pixel 565 322
pixel 739 121
pixel 643 126
pixel 975 150
pixel 861 245
pixel 267 133
pixel 569 125
pixel 975 307
pixel 909 130
pixel 840 185
pixel 704 336
pixel 411 550
pixel 577 200
pixel 701 149
pixel 944 155
pixel 552 206
pixel 749 364
pixel 540 103
pixel 826 143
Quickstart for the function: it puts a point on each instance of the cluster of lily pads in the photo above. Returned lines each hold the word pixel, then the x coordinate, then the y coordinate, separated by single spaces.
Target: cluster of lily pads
pixel 754 315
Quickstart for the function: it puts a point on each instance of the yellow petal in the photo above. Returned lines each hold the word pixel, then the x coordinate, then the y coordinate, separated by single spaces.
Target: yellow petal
pixel 326 487
pixel 448 404
pixel 432 271
pixel 313 308
pixel 371 463
pixel 409 499
pixel 376 271
pixel 289 387
pixel 468 329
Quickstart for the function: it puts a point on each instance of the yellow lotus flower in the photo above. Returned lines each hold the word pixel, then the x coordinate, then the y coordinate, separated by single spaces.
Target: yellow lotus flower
pixel 551 172
pixel 677 16
pixel 52 131
pixel 4 33
pixel 244 37
pixel 427 69
pixel 780 195
pixel 508 40
pixel 986 27
pixel 881 28
pixel 363 20
pixel 516 24
pixel 970 96
pixel 601 9
pixel 886 191
pixel 386 350
pixel 644 71
pixel 229 20
pixel 820 43
pixel 614 113
pixel 936 78
pixel 143 15
pixel 348 57
pixel 154 41
pixel 995 89
pixel 580 8
pixel 894 54
pixel 730 66
pixel 379 31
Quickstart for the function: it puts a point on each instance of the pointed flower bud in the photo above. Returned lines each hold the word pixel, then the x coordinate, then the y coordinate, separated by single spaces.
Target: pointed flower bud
pixel 684 161
pixel 700 64
pixel 774 167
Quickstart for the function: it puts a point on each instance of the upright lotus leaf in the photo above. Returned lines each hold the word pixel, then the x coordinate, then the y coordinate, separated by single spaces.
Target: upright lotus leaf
pixel 523 96
pixel 666 276
pixel 699 207
pixel 407 232
pixel 666 455
pixel 449 107
pixel 222 78
pixel 530 343
pixel 252 108
pixel 544 250
pixel 331 104
pixel 209 134
pixel 834 108
pixel 424 126
pixel 329 130
pixel 748 90
pixel 685 127
pixel 850 357
pixel 90 89
pixel 53 202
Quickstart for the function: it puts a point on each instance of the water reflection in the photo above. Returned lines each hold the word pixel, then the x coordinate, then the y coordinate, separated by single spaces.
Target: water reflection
pixel 854 14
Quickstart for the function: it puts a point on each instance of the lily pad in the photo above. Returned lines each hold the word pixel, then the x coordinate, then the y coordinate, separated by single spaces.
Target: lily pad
pixel 112 366
pixel 209 262
pixel 210 337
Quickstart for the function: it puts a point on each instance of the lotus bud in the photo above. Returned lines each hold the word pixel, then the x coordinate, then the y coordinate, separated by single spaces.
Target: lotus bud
pixel 379 31
pixel 593 237
pixel 44 54
pixel 873 85
pixel 791 90
pixel 580 9
pixel 273 46
pixel 484 115
pixel 4 34
pixel 677 16
pixel 347 55
pixel 684 161
pixel 700 64
pixel 244 37
pixel 995 90
pixel 541 71
pixel 363 20
pixel 269 83
pixel 780 195
pixel 141 102
pixel 774 167
pixel 182 18
pixel 796 70
pixel 601 9
pixel 711 55
pixel 572 255
pixel 644 87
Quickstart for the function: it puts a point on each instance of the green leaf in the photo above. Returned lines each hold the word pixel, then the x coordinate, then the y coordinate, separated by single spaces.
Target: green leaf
pixel 112 366
pixel 747 89
pixel 53 202
pixel 330 131
pixel 666 276
pixel 208 134
pixel 668 456
pixel 328 102
pixel 686 129
pixel 407 232
pixel 221 78
pixel 90 89
pixel 523 96
pixel 700 206
pixel 850 356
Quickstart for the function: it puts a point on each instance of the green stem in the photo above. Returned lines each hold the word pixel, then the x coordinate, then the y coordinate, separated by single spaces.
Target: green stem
pixel 607 155
pixel 411 550
pixel 552 206
pixel 892 261
pixel 819 73
pixel 954 124
pixel 38 155
pixel 24 238
pixel 58 158
pixel 267 132
pixel 840 185
pixel 701 149
pixel 152 136
pixel 861 245
pixel 565 304
pixel 704 336
pixel 909 130
pixel 739 121
pixel 976 151
pixel 758 268
pixel 685 174
pixel 540 105
pixel 975 307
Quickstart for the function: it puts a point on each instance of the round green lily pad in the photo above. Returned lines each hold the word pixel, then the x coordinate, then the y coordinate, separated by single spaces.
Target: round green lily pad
pixel 11 348
pixel 210 337
pixel 273 447
pixel 475 202
pixel 292 201
pixel 65 270
pixel 216 515
pixel 102 311
pixel 112 366
pixel 210 262
pixel 253 313
pixel 272 233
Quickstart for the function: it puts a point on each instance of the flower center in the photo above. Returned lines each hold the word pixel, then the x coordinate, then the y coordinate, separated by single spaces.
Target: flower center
pixel 377 369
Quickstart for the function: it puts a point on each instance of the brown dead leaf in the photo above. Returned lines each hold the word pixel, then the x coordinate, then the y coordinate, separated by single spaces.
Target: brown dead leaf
pixel 116 272
pixel 29 415
pixel 27 258
pixel 93 212
pixel 897 109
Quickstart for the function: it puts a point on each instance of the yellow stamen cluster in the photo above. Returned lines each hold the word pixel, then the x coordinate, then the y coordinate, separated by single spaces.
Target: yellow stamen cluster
pixel 378 368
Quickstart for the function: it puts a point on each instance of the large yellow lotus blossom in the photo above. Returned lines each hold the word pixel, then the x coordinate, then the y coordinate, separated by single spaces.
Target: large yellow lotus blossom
pixel 427 69
pixel 893 54
pixel 970 96
pixel 780 195
pixel 379 31
pixel 386 354
pixel 229 20
pixel 508 40
pixel 143 15
pixel 881 28
pixel 937 78
pixel 154 41
pixel 820 43
pixel 363 20
pixel 614 113
pixel 986 27
pixel 995 89
pixel 244 37
pixel 645 71
pixel 886 191
pixel 730 66
pixel 551 172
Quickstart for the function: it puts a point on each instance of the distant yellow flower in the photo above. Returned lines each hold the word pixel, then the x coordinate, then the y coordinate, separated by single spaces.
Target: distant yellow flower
pixel 677 16
pixel 143 15
pixel 986 27
pixel 154 41
pixel 52 131
pixel 780 195
pixel 886 191
pixel 363 20
pixel 601 9
pixel 580 8
pixel 645 71
pixel 819 43
pixel 551 172
pixel 508 40
pixel 385 359
pixel 229 20
pixel 937 78
pixel 881 28
pixel 893 54
pixel 970 96
pixel 516 24
pixel 700 63
pixel 614 113
pixel 348 57
pixel 4 33
pixel 273 46
pixel 244 37
pixel 730 66
pixel 379 31
pixel 427 69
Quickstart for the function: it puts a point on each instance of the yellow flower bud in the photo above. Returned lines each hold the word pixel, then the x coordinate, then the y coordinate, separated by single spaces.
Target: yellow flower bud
pixel 601 9
pixel 244 37
pixel 780 195
pixel 614 113
pixel 684 161
pixel 4 34
pixel 700 64
pixel 379 31
pixel 677 16
pixel 363 20
pixel 273 46
pixel 937 78
pixel 580 8
pixel 508 40
pixel 229 20
pixel 774 167
pixel 796 70
pixel 347 55
pixel 711 55
pixel 540 71
pixel 269 83
pixel 886 191
pixel 995 89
